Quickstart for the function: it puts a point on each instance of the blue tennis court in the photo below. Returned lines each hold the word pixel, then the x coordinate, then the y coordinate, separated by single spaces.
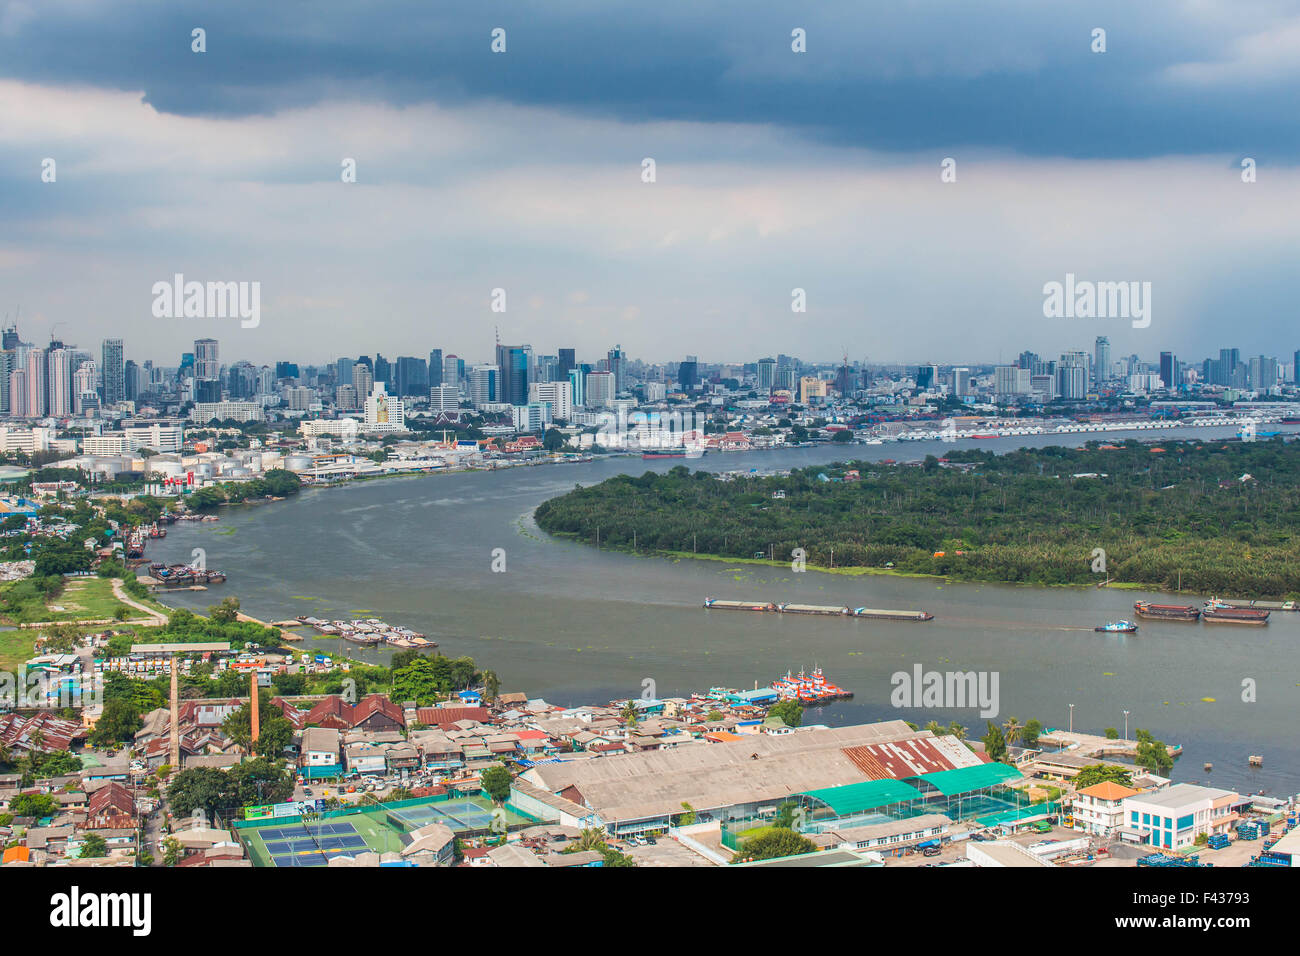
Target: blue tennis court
pixel 298 829
pixel 459 815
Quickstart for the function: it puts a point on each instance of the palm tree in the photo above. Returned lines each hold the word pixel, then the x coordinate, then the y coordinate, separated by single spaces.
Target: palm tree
pixel 1013 730
pixel 491 685
pixel 591 838
pixel 935 728
pixel 957 730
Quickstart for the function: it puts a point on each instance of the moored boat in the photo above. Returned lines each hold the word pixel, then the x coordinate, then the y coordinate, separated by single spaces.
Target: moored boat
pixel 1220 612
pixel 1167 612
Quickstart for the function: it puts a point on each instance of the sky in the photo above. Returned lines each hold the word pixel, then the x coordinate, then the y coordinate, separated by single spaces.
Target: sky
pixel 774 170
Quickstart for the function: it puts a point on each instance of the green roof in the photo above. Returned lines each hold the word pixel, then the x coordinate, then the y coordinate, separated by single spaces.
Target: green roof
pixel 856 797
pixel 965 779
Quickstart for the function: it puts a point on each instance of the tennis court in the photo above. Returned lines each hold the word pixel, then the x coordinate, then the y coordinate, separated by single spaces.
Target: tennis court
pixel 461 815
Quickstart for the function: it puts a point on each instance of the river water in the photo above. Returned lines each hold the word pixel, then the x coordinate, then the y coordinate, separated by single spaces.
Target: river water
pixel 575 625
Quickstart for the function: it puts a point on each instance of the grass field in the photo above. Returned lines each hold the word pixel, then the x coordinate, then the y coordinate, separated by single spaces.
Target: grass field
pixel 15 648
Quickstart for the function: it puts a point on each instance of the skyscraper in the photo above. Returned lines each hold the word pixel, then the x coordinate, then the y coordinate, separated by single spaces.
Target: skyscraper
pixel 114 371
pixel 435 368
pixel 766 374
pixel 59 379
pixel 1101 361
pixel 207 366
pixel 36 402
pixel 513 361
pixel 1169 370
pixel 451 371
pixel 363 379
pixel 484 386
pixel 568 362
pixel 618 365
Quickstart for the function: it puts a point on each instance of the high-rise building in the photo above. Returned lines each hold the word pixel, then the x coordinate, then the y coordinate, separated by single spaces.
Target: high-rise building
pixel 578 386
pixel 618 365
pixel 451 369
pixel 18 393
pixel 926 376
pixel 514 363
pixel 131 385
pixel 1011 380
pixel 343 372
pixel 559 395
pixel 444 398
pixel 114 371
pixel 568 362
pixel 1169 370
pixel 412 376
pixel 84 393
pixel 37 401
pixel 599 391
pixel 7 365
pixel 9 340
pixel 207 364
pixel 961 382
pixel 363 380
pixel 1072 375
pixel 1101 361
pixel 435 368
pixel 383 369
pixel 483 385
pixel 384 413
pixel 688 374
pixel 766 374
pixel 59 379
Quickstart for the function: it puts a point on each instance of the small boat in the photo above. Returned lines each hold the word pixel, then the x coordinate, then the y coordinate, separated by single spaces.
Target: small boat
pixel 1118 627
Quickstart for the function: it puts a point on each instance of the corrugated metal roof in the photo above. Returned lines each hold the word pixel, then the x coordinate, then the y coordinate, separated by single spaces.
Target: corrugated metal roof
pixel 965 779
pixel 868 795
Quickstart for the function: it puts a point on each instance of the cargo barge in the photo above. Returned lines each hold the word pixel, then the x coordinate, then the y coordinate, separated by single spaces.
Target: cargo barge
pixel 1167 612
pixel 822 609
pixel 1220 612
pixel 1263 605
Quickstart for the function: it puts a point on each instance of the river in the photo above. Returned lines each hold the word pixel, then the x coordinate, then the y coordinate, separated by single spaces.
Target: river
pixel 575 625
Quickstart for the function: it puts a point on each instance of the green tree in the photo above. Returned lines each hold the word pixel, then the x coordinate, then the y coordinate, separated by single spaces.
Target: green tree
pixel 496 782
pixel 777 842
pixel 93 846
pixel 1094 774
pixel 995 743
pixel 227 612
pixel 117 723
pixel 790 711
pixel 173 851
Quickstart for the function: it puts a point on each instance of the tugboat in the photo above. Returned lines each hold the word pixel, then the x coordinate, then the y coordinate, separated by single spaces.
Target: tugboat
pixel 1220 612
pixel 1118 627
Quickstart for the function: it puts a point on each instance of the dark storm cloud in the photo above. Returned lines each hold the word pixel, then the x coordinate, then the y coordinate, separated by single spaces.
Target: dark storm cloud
pixel 1002 74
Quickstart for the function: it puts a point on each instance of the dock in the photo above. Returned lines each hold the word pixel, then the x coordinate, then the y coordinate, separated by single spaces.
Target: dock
pixel 1093 745
pixel 831 610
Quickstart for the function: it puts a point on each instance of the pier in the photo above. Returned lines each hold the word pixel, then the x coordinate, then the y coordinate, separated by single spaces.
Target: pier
pixel 1093 745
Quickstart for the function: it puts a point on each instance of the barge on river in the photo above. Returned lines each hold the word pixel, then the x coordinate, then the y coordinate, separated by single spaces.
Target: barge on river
pixel 1167 612
pixel 823 609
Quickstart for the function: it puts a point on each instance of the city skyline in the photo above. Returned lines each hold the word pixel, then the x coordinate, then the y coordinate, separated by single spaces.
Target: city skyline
pixel 476 171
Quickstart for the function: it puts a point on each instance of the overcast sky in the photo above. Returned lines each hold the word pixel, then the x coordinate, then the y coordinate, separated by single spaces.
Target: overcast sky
pixel 775 170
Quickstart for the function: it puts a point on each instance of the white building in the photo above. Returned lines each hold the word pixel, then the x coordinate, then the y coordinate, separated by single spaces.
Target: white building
pixel 346 428
pixel 385 414
pixel 1174 817
pixel 532 417
pixel 599 389
pixel 1099 809
pixel 559 395
pixel 204 412
pixel 444 398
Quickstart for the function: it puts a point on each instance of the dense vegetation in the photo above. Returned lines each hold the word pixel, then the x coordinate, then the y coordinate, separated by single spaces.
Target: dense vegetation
pixel 1168 515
